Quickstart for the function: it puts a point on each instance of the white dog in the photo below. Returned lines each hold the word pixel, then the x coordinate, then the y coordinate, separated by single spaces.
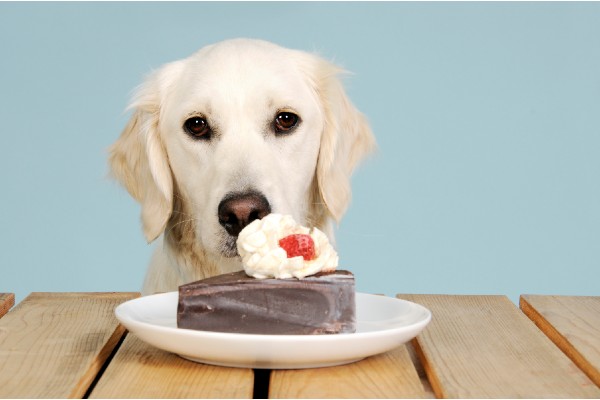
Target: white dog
pixel 240 129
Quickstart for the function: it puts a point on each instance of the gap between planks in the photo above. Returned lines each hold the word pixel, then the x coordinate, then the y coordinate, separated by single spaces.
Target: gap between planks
pixel 54 344
pixel 139 370
pixel 105 365
pixel 483 346
pixel 572 323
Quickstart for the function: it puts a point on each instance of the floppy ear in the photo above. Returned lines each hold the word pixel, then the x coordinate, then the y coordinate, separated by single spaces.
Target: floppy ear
pixel 138 158
pixel 346 139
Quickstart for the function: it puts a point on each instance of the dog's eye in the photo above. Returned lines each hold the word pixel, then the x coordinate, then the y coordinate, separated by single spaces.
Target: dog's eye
pixel 285 121
pixel 197 127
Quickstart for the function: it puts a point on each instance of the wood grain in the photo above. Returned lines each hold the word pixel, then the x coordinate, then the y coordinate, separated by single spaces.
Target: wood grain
pixel 7 300
pixel 54 344
pixel 139 370
pixel 573 324
pixel 484 347
pixel 388 375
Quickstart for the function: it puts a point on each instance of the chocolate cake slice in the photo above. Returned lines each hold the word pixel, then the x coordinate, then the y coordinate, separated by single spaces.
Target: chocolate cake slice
pixel 319 304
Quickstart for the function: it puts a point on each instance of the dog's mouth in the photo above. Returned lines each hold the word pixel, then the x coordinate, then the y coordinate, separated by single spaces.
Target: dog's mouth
pixel 229 247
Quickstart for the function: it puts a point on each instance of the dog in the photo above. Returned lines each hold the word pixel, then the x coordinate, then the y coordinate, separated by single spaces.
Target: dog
pixel 238 130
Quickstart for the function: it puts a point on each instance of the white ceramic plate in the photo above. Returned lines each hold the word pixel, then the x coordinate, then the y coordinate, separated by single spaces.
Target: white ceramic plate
pixel 383 323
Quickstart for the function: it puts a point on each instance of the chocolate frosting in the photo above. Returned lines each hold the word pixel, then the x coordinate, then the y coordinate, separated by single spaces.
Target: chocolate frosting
pixel 320 304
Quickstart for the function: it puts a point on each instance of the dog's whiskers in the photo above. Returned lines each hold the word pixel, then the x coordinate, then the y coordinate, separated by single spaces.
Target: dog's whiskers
pixel 185 200
pixel 178 223
pixel 181 213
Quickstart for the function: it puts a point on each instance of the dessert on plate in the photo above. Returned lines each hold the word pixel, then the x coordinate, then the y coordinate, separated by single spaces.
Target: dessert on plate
pixel 290 285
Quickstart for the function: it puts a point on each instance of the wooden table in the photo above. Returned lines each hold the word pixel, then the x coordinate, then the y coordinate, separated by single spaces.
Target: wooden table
pixel 70 345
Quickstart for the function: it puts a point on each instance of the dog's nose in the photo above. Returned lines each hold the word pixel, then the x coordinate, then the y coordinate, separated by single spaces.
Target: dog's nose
pixel 237 210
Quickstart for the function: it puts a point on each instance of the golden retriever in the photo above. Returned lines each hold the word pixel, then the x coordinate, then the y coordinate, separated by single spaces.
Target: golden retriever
pixel 239 129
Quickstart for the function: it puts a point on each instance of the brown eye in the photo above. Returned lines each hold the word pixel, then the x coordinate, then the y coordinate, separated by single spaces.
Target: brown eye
pixel 285 121
pixel 197 127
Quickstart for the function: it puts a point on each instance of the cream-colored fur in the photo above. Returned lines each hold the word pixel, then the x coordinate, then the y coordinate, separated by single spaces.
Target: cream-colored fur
pixel 239 86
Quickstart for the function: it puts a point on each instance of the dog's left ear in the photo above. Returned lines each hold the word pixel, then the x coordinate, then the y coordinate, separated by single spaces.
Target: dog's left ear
pixel 346 139
pixel 138 158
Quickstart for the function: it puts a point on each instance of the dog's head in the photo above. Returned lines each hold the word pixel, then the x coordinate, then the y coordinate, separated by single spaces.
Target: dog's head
pixel 240 129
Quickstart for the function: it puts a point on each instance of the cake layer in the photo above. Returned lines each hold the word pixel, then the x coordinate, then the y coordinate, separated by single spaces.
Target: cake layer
pixel 320 304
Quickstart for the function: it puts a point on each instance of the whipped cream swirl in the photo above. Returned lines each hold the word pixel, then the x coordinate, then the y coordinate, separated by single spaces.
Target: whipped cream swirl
pixel 262 257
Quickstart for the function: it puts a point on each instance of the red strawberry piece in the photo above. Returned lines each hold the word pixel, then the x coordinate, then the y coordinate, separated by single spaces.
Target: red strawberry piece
pixel 298 245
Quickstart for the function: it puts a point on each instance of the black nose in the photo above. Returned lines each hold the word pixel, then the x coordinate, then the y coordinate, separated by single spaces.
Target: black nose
pixel 237 210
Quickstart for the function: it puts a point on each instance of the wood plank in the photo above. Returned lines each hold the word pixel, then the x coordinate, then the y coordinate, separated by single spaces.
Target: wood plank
pixel 484 347
pixel 54 344
pixel 573 324
pixel 140 370
pixel 7 300
pixel 388 375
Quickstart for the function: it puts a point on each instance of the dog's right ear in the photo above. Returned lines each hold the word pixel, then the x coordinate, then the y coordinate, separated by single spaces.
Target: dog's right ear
pixel 346 139
pixel 138 159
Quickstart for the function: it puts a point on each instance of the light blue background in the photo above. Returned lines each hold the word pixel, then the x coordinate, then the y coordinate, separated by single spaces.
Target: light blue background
pixel 487 117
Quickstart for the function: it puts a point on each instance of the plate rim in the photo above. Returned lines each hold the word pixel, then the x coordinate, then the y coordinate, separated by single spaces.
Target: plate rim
pixel 271 351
